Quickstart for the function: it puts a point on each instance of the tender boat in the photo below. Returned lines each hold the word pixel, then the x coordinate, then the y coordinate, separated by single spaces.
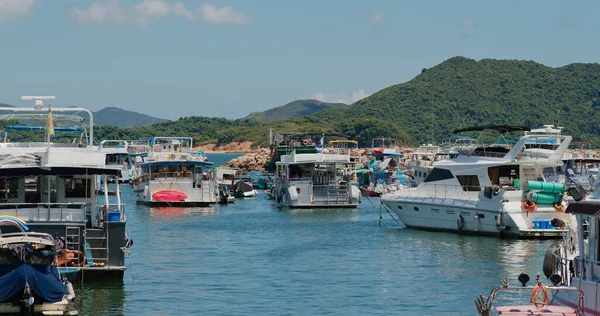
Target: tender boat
pixel 171 174
pixel 51 185
pixel 32 284
pixel 512 192
pixel 242 188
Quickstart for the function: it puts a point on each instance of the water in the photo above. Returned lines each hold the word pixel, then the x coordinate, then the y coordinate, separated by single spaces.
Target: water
pixel 252 259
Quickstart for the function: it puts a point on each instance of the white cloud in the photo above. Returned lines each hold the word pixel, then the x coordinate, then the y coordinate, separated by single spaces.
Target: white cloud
pixel 377 17
pixel 14 9
pixel 340 97
pixel 104 11
pixel 469 24
pixel 179 9
pixel 211 14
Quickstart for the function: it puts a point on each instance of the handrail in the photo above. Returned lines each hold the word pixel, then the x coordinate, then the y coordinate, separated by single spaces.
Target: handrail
pixel 580 304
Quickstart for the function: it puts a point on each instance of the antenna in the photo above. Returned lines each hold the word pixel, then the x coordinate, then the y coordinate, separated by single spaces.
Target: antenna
pixel 38 100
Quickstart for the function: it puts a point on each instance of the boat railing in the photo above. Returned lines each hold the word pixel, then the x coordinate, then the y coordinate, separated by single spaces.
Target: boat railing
pixel 168 175
pixel 46 212
pixel 568 268
pixel 443 191
pixel 580 305
pixel 333 193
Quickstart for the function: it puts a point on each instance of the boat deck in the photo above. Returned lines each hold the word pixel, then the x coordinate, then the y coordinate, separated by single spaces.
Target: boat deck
pixel 528 310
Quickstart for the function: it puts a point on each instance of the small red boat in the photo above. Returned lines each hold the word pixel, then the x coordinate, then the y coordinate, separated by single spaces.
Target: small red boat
pixel 169 196
pixel 368 192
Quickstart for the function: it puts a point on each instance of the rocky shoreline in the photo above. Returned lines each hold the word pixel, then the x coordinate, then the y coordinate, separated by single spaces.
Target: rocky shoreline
pixel 253 161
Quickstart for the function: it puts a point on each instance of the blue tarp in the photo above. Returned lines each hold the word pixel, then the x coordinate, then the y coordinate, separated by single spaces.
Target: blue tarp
pixel 43 280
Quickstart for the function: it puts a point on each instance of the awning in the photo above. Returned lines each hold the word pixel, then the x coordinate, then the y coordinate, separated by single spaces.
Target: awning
pixel 590 207
pixel 58 171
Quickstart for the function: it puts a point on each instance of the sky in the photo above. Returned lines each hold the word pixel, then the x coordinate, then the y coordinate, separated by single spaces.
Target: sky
pixel 174 59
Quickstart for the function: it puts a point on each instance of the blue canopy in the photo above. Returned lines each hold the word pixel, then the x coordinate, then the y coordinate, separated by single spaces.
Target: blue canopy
pixel 42 128
pixel 43 280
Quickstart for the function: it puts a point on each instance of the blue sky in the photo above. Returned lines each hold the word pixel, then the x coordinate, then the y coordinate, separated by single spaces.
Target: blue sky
pixel 228 58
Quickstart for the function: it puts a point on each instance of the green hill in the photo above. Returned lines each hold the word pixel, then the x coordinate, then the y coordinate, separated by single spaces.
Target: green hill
pixel 293 109
pixel 118 117
pixel 459 92
pixel 463 92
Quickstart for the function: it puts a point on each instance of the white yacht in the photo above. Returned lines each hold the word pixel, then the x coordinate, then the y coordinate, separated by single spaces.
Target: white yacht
pixel 420 161
pixel 510 192
pixel 118 158
pixel 171 174
pixel 315 180
pixel 48 183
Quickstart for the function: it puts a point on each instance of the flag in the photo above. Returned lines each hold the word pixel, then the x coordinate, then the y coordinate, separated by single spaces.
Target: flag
pixel 49 123
pixel 321 140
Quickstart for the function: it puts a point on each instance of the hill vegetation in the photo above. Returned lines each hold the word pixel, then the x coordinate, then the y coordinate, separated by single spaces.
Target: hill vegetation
pixel 459 92
pixel 119 117
pixel 294 109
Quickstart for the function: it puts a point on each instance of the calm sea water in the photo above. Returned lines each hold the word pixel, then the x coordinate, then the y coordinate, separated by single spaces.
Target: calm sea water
pixel 251 258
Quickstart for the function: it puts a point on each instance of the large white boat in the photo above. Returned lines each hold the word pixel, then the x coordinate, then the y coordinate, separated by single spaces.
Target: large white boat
pixel 171 174
pixel 501 191
pixel 315 180
pixel 118 158
pixel 50 185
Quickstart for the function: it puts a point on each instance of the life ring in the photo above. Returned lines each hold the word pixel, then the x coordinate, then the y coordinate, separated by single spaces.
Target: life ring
pixel 68 256
pixel 529 206
pixel 559 207
pixel 305 142
pixel 460 223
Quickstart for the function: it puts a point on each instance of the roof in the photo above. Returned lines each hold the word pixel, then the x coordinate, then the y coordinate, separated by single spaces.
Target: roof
pixel 499 128
pixel 343 141
pixel 587 207
pixel 42 128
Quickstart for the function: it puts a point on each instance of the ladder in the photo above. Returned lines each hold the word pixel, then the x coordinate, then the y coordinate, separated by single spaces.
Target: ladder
pixel 97 237
pixel 73 240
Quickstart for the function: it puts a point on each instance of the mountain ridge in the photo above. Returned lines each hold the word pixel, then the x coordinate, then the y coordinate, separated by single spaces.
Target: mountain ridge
pixel 294 109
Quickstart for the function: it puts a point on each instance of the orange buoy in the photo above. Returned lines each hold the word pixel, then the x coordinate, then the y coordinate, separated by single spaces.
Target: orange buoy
pixel 559 207
pixel 529 206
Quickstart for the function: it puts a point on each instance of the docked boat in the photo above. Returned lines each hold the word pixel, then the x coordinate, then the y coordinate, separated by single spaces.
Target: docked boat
pixel 171 174
pixel 260 180
pixel 32 284
pixel 541 301
pixel 576 260
pixel 315 181
pixel 51 186
pixel 118 158
pixel 421 161
pixel 513 193
pixel 384 168
pixel 242 188
pixel 225 179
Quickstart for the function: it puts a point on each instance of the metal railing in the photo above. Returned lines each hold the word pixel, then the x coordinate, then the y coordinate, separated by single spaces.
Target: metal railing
pixel 167 175
pixel 330 194
pixel 45 211
pixel 444 191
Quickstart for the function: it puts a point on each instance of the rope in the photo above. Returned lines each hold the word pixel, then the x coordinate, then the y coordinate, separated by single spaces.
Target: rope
pixel 386 209
pixel 127 252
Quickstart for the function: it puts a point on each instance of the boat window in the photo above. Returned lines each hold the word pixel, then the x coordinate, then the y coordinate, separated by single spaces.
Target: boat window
pixel 9 188
pixel 469 183
pixel 550 174
pixel 503 175
pixel 438 174
pixel 75 188
pixel 32 193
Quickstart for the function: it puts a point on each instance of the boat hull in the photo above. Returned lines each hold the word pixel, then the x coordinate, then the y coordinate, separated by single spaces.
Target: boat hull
pixel 467 219
pixel 589 289
pixel 369 193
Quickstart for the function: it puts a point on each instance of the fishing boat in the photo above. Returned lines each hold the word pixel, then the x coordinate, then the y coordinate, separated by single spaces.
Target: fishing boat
pixel 512 192
pixel 32 284
pixel 225 179
pixel 118 158
pixel 50 184
pixel 171 174
pixel 260 180
pixel 577 258
pixel 541 302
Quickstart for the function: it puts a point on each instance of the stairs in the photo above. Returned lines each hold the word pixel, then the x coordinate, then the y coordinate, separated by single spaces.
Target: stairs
pixel 96 247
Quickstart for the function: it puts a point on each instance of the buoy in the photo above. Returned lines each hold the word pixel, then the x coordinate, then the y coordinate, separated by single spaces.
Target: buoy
pixel 499 219
pixel 529 206
pixel 548 265
pixel 460 223
pixel 70 290
pixel 477 222
pixel 146 191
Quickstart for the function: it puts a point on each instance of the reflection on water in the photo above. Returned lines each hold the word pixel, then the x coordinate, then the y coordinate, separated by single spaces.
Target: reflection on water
pixel 101 298
pixel 251 258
